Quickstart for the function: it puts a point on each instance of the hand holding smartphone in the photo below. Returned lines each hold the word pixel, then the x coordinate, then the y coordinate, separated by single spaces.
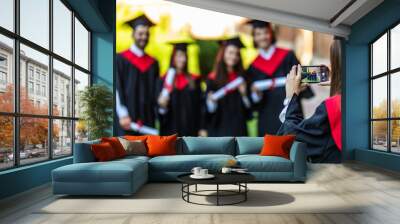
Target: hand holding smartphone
pixel 314 74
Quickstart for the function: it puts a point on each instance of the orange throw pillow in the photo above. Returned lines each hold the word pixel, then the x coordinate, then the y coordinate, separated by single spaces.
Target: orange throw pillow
pixel 116 145
pixel 103 152
pixel 136 137
pixel 161 145
pixel 275 145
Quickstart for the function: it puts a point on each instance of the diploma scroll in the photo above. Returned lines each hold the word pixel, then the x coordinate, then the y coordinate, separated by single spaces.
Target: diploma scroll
pixel 168 83
pixel 143 129
pixel 232 85
pixel 269 83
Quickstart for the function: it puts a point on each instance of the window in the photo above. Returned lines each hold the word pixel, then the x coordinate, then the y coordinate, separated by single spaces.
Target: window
pixel 81 45
pixel 81 81
pixel 62 137
pixel 6 142
pixel 385 96
pixel 62 74
pixel 30 87
pixel 62 29
pixel 7 14
pixel 3 61
pixel 41 124
pixel 44 91
pixel 7 73
pixel 3 78
pixel 35 21
pixel 37 90
pixel 30 72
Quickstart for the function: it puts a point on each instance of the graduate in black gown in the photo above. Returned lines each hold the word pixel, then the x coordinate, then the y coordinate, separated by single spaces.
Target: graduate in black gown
pixel 322 131
pixel 136 81
pixel 271 63
pixel 180 101
pixel 228 115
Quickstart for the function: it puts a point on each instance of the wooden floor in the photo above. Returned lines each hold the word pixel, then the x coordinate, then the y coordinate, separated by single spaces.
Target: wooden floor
pixel 377 188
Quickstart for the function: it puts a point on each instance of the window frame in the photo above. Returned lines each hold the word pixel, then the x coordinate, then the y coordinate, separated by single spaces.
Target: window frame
pixel 388 74
pixel 16 114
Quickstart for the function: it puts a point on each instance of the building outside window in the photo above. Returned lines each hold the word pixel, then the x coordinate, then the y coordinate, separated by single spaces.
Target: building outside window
pixel 59 127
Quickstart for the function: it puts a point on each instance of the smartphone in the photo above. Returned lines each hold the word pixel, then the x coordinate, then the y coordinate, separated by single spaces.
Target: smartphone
pixel 314 74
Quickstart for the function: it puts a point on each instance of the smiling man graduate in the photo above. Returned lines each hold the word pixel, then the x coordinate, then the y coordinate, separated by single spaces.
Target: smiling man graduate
pixel 137 78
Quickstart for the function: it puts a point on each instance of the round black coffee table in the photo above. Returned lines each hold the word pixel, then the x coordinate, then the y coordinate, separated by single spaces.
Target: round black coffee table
pixel 238 179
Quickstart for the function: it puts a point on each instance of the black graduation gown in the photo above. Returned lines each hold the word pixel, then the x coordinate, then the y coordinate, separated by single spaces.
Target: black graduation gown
pixel 183 115
pixel 314 131
pixel 136 83
pixel 231 114
pixel 269 107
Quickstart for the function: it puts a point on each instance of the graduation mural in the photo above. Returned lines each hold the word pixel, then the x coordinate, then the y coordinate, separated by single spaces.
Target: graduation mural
pixel 197 72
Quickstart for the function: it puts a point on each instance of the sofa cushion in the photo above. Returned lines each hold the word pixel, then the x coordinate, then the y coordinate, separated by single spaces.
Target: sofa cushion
pixel 161 145
pixel 103 152
pixel 120 170
pixel 277 145
pixel 185 163
pixel 249 145
pixel 206 145
pixel 116 145
pixel 136 147
pixel 257 163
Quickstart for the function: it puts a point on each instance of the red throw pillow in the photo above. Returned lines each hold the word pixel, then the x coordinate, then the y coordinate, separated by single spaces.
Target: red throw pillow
pixel 103 152
pixel 116 145
pixel 275 145
pixel 161 145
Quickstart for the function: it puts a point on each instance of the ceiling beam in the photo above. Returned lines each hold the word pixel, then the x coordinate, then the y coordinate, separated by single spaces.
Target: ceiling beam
pixel 267 14
pixel 346 12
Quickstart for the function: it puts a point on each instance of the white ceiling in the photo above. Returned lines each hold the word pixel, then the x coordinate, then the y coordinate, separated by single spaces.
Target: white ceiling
pixel 324 16
pixel 320 9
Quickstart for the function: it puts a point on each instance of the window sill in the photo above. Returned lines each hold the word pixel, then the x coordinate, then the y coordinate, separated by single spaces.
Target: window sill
pixel 30 166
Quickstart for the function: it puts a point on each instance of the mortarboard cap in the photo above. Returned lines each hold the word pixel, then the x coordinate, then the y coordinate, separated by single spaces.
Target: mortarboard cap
pixel 258 23
pixel 140 20
pixel 232 41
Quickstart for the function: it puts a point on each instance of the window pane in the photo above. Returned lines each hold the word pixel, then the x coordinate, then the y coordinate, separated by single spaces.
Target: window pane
pixel 7 14
pixel 62 138
pixel 379 135
pixel 6 74
pixel 395 135
pixel 81 131
pixel 35 21
pixel 62 29
pixel 34 72
pixel 81 81
pixel 62 89
pixel 395 94
pixel 395 47
pixel 379 97
pixel 6 142
pixel 33 140
pixel 379 55
pixel 81 45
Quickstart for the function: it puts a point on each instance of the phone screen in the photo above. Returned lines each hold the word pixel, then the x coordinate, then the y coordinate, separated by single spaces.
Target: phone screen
pixel 314 74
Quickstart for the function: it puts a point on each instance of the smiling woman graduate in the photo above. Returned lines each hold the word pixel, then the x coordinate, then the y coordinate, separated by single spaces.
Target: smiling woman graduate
pixel 180 99
pixel 228 112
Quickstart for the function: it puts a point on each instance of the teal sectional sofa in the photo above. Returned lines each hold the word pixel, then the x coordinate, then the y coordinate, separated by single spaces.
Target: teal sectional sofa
pixel 125 176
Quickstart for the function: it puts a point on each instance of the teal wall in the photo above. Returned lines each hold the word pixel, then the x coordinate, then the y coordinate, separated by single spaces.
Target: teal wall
pixel 102 58
pixel 356 83
pixel 99 16
pixel 24 178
